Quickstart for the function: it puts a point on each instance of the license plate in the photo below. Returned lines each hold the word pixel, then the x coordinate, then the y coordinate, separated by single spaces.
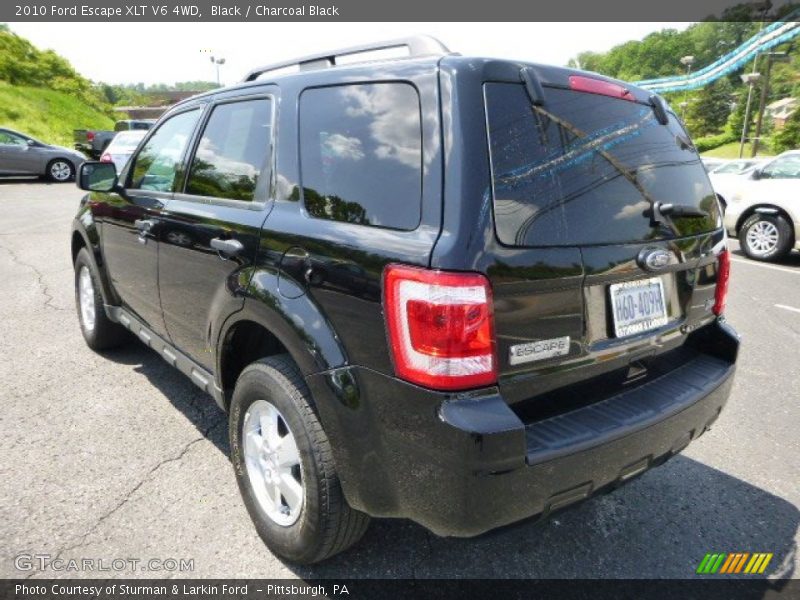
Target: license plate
pixel 638 306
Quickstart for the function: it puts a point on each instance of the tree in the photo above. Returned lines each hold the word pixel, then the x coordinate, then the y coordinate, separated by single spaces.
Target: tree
pixel 709 109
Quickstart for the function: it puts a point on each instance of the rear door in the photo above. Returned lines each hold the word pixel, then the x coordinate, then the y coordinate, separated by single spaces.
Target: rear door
pixel 211 229
pixel 596 181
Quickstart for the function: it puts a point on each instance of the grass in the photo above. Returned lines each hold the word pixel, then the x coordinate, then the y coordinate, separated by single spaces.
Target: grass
pixel 46 114
pixel 731 150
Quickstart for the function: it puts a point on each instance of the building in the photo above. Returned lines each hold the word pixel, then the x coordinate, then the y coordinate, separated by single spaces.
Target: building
pixel 780 110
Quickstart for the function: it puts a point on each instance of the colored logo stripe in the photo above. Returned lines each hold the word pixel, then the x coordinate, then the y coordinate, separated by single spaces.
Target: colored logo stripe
pixel 734 562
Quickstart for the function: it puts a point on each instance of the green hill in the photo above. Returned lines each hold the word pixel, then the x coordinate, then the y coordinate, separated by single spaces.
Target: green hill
pixel 47 114
pixel 42 95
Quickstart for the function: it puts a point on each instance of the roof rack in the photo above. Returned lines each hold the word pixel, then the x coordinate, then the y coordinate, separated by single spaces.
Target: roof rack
pixel 421 45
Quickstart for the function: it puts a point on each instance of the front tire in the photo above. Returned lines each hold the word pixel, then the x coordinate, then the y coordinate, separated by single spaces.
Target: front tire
pixel 100 332
pixel 284 466
pixel 60 170
pixel 765 237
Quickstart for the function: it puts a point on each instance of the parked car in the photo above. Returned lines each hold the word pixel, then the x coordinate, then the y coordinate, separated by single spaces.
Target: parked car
pixel 726 177
pixel 735 167
pixel 462 291
pixel 763 210
pixel 20 154
pixel 121 147
pixel 94 142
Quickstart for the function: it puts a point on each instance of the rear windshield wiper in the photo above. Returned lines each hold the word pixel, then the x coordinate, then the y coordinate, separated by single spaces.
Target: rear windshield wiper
pixel 660 210
pixel 681 210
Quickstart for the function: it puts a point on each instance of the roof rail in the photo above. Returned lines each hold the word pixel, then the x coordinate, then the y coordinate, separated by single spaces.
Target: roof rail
pixel 421 45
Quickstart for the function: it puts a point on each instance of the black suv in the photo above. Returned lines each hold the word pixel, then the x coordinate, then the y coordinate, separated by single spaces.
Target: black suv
pixel 462 291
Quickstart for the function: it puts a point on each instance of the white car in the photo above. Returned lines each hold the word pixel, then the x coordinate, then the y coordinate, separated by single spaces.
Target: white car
pixel 122 147
pixel 762 208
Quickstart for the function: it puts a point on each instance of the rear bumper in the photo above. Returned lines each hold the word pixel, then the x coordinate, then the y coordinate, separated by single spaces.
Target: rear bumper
pixel 461 466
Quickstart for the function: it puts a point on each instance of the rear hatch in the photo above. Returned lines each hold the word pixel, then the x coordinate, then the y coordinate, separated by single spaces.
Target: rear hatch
pixel 607 233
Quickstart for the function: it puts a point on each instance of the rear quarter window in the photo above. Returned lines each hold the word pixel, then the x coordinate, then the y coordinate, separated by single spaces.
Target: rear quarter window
pixel 361 154
pixel 585 169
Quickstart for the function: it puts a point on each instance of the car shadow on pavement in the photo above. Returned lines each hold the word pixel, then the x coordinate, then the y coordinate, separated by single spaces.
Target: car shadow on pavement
pixel 10 180
pixel 660 525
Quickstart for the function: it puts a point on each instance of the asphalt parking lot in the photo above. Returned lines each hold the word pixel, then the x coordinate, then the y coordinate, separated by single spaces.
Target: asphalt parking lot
pixel 122 457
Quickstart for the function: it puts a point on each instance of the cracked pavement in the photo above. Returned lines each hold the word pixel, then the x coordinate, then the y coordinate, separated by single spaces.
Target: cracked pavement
pixel 120 456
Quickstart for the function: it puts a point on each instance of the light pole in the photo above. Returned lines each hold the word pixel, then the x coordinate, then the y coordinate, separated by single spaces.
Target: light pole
pixel 749 79
pixel 686 61
pixel 771 57
pixel 217 62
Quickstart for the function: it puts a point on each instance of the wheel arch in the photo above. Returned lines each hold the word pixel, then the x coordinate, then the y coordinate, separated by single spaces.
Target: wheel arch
pixel 751 210
pixel 270 324
pixel 86 235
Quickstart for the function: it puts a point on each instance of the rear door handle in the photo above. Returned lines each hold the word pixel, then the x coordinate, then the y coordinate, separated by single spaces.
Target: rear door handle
pixel 144 226
pixel 227 248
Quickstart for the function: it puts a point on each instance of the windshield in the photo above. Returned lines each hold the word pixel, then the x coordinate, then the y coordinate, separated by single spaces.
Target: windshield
pixel 586 169
pixel 733 168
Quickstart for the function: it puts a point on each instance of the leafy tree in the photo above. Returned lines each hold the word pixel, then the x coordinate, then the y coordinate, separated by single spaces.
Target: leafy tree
pixel 709 109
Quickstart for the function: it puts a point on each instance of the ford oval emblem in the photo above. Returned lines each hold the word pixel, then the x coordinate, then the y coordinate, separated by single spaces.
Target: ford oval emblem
pixel 653 259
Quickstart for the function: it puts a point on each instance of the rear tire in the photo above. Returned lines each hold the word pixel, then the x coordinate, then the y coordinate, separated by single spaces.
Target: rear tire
pixel 100 332
pixel 321 523
pixel 766 237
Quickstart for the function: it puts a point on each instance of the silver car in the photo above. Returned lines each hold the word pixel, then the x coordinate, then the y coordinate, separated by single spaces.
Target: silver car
pixel 21 154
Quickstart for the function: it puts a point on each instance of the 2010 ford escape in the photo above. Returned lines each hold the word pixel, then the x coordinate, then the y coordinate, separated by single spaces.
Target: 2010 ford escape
pixel 457 290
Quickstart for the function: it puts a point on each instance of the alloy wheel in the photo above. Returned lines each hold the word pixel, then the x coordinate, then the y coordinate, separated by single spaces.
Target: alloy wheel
pixel 762 238
pixel 61 170
pixel 273 463
pixel 86 298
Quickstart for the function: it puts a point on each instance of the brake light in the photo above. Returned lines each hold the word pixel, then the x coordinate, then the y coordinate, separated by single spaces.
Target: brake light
pixel 598 86
pixel 440 326
pixel 90 135
pixel 723 277
pixel 106 158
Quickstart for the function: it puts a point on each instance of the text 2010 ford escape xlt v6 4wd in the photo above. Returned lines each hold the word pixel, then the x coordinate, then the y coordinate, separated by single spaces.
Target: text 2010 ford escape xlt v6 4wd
pixel 462 291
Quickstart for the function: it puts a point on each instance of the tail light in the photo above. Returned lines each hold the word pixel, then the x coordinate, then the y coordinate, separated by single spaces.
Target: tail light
pixel 90 135
pixel 440 327
pixel 723 277
pixel 598 86
pixel 106 158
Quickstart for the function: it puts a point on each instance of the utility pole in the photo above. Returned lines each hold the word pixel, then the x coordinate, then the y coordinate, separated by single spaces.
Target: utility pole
pixel 686 61
pixel 750 79
pixel 771 57
pixel 217 62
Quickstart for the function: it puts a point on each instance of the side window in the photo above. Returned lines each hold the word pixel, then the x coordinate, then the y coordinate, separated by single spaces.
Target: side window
pixel 156 165
pixel 361 154
pixel 787 167
pixel 232 158
pixel 9 139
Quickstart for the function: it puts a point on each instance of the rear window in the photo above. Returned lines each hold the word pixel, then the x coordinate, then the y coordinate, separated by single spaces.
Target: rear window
pixel 361 154
pixel 585 169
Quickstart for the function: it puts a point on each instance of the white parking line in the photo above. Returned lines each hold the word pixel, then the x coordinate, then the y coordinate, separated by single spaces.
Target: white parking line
pixel 791 308
pixel 773 267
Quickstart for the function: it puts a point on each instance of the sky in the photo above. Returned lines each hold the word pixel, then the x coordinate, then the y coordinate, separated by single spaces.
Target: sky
pixel 169 52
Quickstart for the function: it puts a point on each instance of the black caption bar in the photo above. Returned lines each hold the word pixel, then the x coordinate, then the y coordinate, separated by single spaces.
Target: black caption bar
pixel 388 589
pixel 364 10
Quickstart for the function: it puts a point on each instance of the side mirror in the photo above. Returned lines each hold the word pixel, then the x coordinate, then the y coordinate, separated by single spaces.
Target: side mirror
pixel 31 143
pixel 756 174
pixel 97 176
